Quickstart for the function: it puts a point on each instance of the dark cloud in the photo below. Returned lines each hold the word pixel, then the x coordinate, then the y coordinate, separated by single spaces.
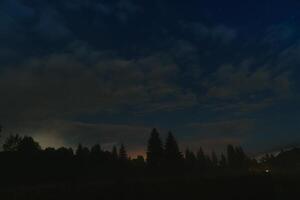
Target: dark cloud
pixel 86 81
pixel 235 82
pixel 237 128
pixel 51 26
pixel 215 33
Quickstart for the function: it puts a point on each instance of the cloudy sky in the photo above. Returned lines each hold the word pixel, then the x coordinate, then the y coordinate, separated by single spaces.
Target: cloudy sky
pixel 108 71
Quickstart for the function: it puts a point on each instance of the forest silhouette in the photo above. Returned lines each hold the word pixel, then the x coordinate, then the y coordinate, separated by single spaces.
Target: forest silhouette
pixel 166 172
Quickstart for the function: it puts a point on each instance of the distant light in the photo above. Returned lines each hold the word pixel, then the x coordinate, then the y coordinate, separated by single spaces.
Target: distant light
pixel 268 171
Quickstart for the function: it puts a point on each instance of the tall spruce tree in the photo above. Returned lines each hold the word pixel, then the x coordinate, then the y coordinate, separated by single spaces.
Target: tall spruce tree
pixel 237 159
pixel 114 153
pixel 96 152
pixel 201 159
pixel 79 150
pixel 242 160
pixel 223 161
pixel 123 153
pixel 154 150
pixel 190 159
pixel 96 149
pixel 214 159
pixel 172 153
pixel 231 156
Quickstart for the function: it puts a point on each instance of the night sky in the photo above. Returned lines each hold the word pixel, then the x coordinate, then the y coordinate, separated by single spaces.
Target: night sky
pixel 108 71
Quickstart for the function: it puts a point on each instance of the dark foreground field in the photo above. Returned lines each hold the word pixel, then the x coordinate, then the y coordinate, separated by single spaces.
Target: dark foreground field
pixel 243 188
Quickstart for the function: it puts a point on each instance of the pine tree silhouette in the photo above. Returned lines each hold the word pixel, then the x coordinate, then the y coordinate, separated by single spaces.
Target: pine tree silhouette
pixel 214 159
pixel 79 150
pixel 201 159
pixel 96 153
pixel 82 152
pixel 223 161
pixel 237 159
pixel 96 149
pixel 114 153
pixel 190 159
pixel 242 160
pixel 231 156
pixel 154 150
pixel 123 153
pixel 172 153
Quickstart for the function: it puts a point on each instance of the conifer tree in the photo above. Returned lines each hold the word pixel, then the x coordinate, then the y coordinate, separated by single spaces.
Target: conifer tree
pixel 201 160
pixel 190 159
pixel 214 159
pixel 154 150
pixel 172 153
pixel 79 150
pixel 223 161
pixel 231 156
pixel 123 153
pixel 96 150
pixel 82 152
pixel 114 153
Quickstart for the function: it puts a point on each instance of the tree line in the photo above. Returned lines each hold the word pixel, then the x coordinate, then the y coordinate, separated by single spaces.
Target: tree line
pixel 94 172
pixel 161 156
